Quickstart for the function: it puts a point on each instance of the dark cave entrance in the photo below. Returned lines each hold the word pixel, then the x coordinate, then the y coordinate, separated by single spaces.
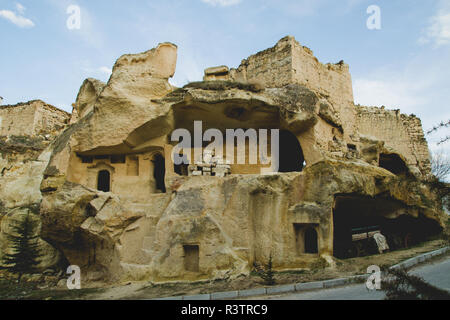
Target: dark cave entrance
pixel 291 153
pixel 306 238
pixel 159 172
pixel 356 218
pixel 104 181
pixel 311 241
pixel 393 163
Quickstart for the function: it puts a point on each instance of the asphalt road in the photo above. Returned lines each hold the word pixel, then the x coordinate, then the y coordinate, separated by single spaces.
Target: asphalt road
pixel 436 273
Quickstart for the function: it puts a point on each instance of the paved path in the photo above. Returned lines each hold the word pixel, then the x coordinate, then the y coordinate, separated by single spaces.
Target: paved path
pixel 436 273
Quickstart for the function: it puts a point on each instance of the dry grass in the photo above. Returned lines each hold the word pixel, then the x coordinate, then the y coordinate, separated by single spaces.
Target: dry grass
pixel 141 290
pixel 343 268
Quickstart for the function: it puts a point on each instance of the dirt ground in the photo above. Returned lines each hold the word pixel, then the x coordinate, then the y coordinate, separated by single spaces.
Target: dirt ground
pixel 145 290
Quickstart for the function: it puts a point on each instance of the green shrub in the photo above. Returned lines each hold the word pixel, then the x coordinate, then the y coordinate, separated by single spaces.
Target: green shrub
pixel 266 273
pixel 25 253
pixel 399 285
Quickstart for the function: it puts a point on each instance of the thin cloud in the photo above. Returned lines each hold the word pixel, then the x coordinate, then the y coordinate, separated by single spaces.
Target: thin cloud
pixel 438 31
pixel 390 92
pixel 304 8
pixel 98 71
pixel 105 70
pixel 20 8
pixel 397 92
pixel 18 20
pixel 417 88
pixel 188 70
pixel 222 3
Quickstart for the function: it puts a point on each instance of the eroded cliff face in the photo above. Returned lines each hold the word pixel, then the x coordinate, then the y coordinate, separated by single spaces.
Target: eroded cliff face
pixel 126 102
pixel 231 222
pixel 24 157
pixel 210 227
pixel 23 150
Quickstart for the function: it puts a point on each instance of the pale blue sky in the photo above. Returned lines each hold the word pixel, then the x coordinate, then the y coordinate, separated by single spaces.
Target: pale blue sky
pixel 404 65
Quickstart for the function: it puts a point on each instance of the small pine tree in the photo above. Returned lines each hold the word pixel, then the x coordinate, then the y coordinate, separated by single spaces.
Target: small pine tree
pixel 269 274
pixel 265 273
pixel 25 250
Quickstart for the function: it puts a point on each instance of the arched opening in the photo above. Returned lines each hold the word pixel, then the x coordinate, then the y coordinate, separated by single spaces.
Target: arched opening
pixel 311 240
pixel 306 239
pixel 104 181
pixel 357 218
pixel 159 172
pixel 291 153
pixel 393 163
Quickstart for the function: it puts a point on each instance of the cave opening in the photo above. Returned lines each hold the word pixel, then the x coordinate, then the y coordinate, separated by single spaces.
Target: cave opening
pixel 159 172
pixel 306 238
pixel 291 158
pixel 357 218
pixel 393 163
pixel 104 181
pixel 311 240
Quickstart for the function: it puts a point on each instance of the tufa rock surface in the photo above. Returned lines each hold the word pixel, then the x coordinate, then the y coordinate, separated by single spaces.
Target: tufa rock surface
pixel 113 202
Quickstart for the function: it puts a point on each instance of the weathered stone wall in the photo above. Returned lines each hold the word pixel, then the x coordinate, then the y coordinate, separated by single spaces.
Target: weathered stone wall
pixel 31 118
pixel 18 120
pixel 49 119
pixel 400 133
pixel 271 68
pixel 25 132
pixel 331 80
pixel 288 62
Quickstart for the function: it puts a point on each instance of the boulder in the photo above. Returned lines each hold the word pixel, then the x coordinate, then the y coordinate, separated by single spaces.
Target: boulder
pixel 48 258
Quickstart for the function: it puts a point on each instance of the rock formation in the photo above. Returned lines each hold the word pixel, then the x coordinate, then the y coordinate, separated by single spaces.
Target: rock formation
pixel 113 202
pixel 27 130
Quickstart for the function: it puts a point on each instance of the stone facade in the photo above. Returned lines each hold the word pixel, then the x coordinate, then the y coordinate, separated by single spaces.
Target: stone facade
pixel 401 134
pixel 31 118
pixel 115 203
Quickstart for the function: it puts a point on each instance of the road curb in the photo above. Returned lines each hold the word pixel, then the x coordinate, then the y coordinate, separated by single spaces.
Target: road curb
pixel 252 292
pixel 421 258
pixel 306 286
pixel 281 289
pixel 224 295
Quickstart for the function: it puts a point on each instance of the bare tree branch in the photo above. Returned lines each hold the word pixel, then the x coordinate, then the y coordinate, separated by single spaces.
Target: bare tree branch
pixel 439 126
pixel 447 138
pixel 440 165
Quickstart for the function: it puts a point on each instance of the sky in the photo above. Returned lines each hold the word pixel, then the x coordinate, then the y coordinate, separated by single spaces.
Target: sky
pixel 403 64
